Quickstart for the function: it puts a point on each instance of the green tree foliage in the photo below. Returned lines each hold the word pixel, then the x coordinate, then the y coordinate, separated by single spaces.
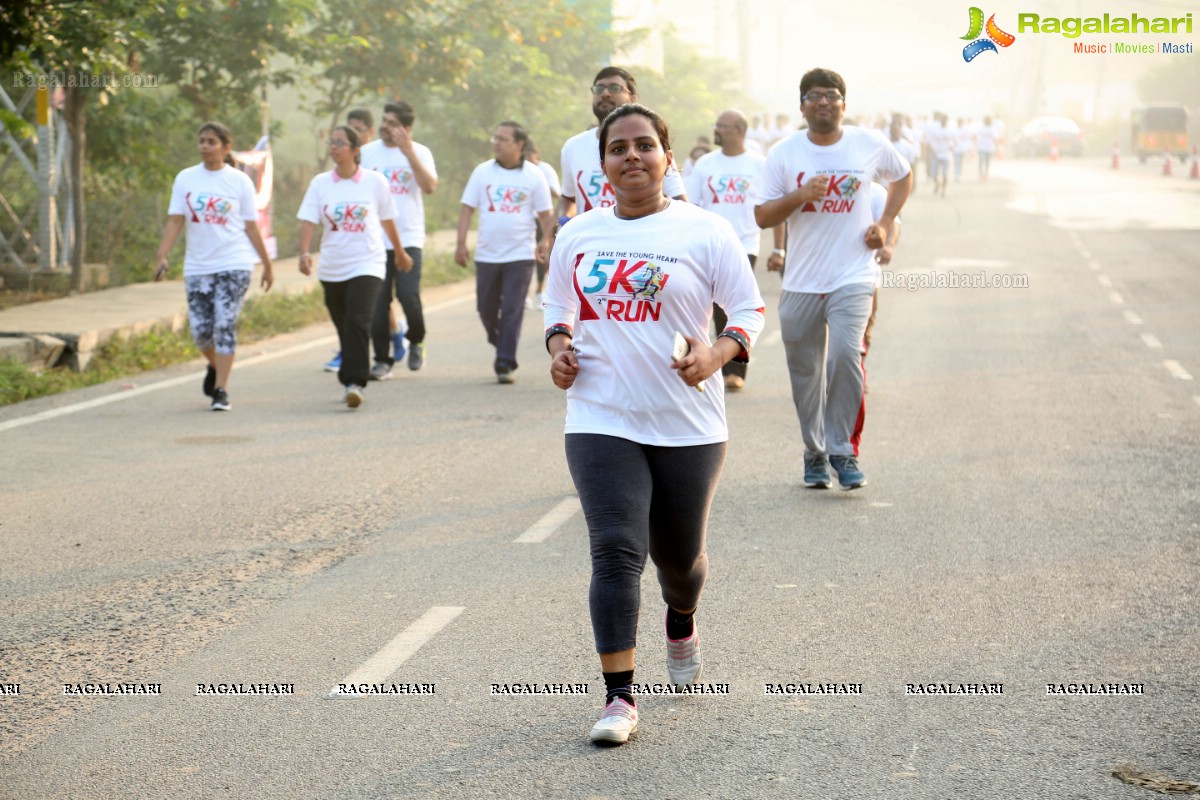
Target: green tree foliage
pixel 219 54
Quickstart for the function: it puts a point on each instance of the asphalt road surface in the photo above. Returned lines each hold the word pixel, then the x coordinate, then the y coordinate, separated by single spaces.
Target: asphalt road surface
pixel 1032 519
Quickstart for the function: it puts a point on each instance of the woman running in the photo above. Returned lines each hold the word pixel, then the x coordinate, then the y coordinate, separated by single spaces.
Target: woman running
pixel 644 445
pixel 216 201
pixel 355 207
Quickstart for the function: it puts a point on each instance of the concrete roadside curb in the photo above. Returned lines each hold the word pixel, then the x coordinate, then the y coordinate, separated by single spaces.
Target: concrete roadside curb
pixel 69 329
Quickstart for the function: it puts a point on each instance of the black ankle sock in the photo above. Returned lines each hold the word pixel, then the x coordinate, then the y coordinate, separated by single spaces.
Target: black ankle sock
pixel 619 684
pixel 679 626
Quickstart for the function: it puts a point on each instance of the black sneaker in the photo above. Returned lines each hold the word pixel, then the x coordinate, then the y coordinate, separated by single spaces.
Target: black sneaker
pixel 504 374
pixel 210 381
pixel 220 400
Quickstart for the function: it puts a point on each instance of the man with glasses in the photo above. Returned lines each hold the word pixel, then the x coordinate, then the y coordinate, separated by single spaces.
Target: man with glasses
pixel 513 198
pixel 584 186
pixel 818 181
pixel 726 182
pixel 411 174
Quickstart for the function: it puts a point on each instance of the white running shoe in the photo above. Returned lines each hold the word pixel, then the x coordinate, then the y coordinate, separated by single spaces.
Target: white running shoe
pixel 616 724
pixel 683 658
pixel 354 396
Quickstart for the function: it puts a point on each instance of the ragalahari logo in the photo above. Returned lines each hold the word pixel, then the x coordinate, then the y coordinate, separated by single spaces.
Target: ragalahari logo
pixel 995 36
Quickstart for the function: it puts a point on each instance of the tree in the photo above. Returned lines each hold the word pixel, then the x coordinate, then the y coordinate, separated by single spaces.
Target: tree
pixel 79 42
pixel 220 54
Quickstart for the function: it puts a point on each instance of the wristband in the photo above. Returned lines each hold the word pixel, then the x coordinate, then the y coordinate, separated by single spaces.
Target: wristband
pixel 743 342
pixel 554 330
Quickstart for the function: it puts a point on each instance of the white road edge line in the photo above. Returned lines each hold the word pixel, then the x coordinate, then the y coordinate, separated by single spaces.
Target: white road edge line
pixel 1176 369
pixel 1116 298
pixel 1132 318
pixel 378 667
pixel 129 394
pixel 1105 281
pixel 541 530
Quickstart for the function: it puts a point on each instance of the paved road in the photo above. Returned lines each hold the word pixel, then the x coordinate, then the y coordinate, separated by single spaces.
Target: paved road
pixel 1032 519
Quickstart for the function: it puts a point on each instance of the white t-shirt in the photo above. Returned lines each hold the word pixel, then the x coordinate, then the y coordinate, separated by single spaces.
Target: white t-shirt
pixel 509 201
pixel 350 209
pixel 551 177
pixel 726 186
pixel 626 287
pixel 215 206
pixel 964 139
pixel 940 139
pixel 583 181
pixel 985 137
pixel 825 239
pixel 406 193
pixel 907 149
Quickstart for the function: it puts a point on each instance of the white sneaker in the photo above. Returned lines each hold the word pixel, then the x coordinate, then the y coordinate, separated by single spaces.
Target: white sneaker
pixel 354 396
pixel 683 658
pixel 616 724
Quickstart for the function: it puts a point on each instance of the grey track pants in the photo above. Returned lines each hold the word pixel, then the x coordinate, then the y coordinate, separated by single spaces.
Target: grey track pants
pixel 823 339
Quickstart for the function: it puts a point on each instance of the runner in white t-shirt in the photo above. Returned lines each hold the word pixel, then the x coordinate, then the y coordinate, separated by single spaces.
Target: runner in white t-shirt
pixel 411 174
pixel 584 186
pixel 534 156
pixel 726 182
pixel 215 201
pixel 645 446
pixel 985 138
pixel 818 181
pixel 513 200
pixel 354 207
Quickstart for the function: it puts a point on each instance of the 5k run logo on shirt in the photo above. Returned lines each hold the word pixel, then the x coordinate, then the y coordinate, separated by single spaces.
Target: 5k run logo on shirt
pixel 348 217
pixel 839 195
pixel 398 179
pixel 506 199
pixel 598 193
pixel 730 189
pixel 210 208
pixel 624 289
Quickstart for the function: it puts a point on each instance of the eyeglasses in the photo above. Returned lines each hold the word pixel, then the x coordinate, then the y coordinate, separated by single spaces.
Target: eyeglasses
pixel 611 88
pixel 338 143
pixel 816 97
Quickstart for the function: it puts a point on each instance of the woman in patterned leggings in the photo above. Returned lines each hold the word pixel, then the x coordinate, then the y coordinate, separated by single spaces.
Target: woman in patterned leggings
pixel 215 200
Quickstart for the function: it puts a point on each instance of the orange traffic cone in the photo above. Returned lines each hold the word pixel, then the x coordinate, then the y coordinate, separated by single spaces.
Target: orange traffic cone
pixel 1167 164
pixel 1116 155
pixel 1195 173
pixel 1054 149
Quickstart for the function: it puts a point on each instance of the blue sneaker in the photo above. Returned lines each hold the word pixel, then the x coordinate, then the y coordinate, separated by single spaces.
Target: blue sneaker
pixel 849 475
pixel 816 472
pixel 334 364
pixel 398 349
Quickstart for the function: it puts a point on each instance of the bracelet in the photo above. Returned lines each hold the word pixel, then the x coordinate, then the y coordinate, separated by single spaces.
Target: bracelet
pixel 779 251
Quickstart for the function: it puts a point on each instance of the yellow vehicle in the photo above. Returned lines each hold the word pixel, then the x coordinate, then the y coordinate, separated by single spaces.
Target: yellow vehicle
pixel 1159 128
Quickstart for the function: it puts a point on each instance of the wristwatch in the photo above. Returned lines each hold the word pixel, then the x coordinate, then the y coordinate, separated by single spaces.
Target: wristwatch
pixel 779 251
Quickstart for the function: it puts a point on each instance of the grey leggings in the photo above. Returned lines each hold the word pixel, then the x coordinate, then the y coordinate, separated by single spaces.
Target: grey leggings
pixel 638 500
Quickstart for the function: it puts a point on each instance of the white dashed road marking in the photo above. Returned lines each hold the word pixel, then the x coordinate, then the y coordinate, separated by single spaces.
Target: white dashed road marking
pixel 381 665
pixel 1151 341
pixel 547 525
pixel 1176 369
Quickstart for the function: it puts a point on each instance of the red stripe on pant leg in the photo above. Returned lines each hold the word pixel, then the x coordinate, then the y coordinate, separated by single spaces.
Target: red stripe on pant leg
pixel 856 436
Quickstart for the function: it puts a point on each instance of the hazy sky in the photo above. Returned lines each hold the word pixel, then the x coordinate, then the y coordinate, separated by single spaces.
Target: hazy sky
pixel 911 57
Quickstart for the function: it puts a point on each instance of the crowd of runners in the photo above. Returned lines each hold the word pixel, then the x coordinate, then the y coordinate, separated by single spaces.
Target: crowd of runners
pixel 645 279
